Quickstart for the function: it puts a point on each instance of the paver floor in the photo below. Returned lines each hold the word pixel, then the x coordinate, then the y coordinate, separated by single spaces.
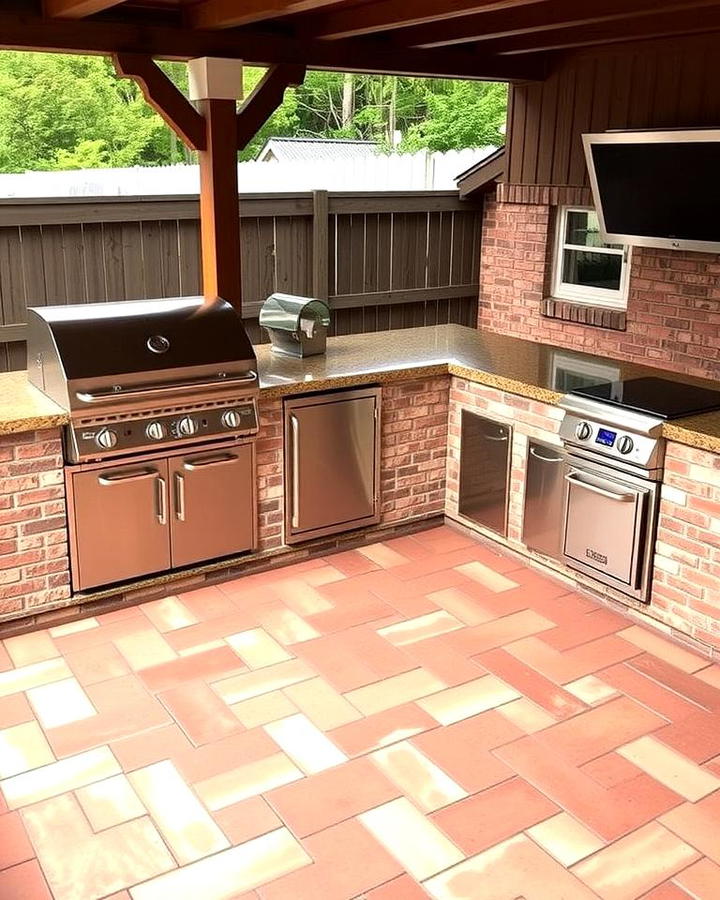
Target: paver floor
pixel 422 717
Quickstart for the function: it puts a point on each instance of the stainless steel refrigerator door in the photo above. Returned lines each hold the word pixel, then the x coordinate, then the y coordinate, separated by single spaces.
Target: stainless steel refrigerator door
pixel 332 457
pixel 604 525
pixel 544 513
pixel 121 523
pixel 213 504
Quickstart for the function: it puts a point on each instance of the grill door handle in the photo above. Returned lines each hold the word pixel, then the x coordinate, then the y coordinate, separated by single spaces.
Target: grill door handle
pixel 179 497
pixel 107 480
pixel 295 428
pixel 161 501
pixel 573 478
pixel 214 461
pixel 500 438
pixel 137 393
pixel 547 459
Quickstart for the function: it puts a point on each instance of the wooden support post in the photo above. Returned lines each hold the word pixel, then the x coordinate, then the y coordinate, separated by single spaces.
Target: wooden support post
pixel 320 258
pixel 217 132
pixel 219 207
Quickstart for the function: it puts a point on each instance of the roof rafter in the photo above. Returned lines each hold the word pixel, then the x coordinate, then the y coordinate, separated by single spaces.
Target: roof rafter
pixel 230 13
pixel 658 25
pixel 554 15
pixel 28 32
pixel 387 15
pixel 76 9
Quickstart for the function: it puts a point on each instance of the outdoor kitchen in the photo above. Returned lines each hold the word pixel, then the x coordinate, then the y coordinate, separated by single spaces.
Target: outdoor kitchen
pixel 394 573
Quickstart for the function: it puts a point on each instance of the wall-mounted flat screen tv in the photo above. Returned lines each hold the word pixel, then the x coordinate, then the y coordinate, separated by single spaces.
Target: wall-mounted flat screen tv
pixel 657 188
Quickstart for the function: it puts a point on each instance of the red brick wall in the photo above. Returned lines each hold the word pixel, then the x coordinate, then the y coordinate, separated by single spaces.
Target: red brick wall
pixel 673 318
pixel 34 568
pixel 414 449
pixel 686 592
pixel 270 475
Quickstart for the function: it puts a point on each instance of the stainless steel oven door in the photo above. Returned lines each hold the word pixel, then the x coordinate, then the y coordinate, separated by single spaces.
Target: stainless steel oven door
pixel 607 525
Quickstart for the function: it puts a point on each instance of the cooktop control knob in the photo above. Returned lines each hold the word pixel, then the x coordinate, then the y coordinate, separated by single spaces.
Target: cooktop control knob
pixel 625 445
pixel 231 418
pixel 155 431
pixel 583 431
pixel 106 438
pixel 187 426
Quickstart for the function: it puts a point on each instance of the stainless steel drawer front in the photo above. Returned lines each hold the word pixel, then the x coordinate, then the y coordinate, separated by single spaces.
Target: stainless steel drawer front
pixel 604 525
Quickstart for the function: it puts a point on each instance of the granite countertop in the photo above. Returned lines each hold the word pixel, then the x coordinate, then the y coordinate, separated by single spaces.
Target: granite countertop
pixel 25 408
pixel 526 368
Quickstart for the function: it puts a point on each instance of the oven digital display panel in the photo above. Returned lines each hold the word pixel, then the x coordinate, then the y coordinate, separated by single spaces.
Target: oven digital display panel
pixel 605 437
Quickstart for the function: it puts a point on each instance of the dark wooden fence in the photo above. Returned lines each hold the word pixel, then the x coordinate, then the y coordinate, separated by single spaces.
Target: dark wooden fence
pixel 388 260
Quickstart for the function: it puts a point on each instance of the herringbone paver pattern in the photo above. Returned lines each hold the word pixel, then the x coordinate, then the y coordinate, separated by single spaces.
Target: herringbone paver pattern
pixel 418 718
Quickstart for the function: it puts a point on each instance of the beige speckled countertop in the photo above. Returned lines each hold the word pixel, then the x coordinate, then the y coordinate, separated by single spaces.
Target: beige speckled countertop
pixel 24 408
pixel 527 368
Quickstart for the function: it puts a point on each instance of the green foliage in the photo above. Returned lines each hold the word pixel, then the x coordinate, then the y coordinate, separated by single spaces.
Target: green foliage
pixel 69 112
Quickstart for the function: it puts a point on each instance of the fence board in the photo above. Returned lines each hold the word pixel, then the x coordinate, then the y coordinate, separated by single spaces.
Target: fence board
pixel 393 260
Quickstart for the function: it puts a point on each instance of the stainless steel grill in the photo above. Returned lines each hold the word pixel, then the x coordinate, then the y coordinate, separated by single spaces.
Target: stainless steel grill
pixel 144 374
pixel 162 396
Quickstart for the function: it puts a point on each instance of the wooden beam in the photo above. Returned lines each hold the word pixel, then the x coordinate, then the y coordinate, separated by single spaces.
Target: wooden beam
pixel 164 97
pixel 264 100
pixel 536 19
pixel 667 24
pixel 387 15
pixel 32 32
pixel 76 9
pixel 230 13
pixel 219 214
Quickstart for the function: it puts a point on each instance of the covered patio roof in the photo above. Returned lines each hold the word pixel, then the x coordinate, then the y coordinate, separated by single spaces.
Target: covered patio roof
pixel 491 39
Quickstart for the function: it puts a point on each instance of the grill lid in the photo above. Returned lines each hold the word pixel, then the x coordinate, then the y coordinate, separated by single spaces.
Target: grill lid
pixel 114 347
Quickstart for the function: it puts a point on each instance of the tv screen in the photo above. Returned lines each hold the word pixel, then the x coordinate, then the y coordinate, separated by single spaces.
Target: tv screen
pixel 657 189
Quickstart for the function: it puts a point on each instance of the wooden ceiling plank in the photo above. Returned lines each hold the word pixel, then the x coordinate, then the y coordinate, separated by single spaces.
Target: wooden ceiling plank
pixel 556 14
pixel 76 9
pixel 28 32
pixel 657 25
pixel 160 93
pixel 231 13
pixel 265 99
pixel 387 15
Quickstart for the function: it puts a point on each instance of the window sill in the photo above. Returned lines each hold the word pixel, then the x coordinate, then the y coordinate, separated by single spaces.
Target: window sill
pixel 584 314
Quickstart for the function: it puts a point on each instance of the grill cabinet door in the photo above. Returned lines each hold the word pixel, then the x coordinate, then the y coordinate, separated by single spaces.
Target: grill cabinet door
pixel 603 525
pixel 484 471
pixel 331 463
pixel 213 509
pixel 121 528
pixel 544 499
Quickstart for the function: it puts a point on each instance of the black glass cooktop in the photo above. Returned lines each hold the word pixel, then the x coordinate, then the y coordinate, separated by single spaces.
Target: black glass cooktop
pixel 656 396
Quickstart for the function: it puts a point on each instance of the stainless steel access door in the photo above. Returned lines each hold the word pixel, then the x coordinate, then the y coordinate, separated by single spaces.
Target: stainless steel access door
pixel 213 504
pixel 606 525
pixel 120 523
pixel 331 463
pixel 544 510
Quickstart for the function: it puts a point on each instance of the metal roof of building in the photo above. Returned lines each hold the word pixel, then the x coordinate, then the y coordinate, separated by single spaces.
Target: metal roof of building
pixel 300 149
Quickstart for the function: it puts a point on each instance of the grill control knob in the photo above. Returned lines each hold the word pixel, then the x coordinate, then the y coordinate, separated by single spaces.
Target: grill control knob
pixel 625 445
pixel 583 431
pixel 106 438
pixel 187 426
pixel 231 418
pixel 155 431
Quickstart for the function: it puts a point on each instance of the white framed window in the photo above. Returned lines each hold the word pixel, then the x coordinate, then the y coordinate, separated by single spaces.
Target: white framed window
pixel 586 270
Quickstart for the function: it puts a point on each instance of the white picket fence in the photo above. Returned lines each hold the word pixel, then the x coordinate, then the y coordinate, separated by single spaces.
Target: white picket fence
pixel 422 171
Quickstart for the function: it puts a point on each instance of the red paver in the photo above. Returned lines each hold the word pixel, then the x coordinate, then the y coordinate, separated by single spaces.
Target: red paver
pixel 345 829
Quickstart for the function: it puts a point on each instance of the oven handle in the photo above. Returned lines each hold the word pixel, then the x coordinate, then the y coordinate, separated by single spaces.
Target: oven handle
pixel 547 459
pixel 135 475
pixel 103 396
pixel 573 478
pixel 214 461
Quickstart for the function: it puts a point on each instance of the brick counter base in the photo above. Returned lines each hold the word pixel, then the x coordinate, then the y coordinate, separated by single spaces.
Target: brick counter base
pixel 34 567
pixel 686 594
